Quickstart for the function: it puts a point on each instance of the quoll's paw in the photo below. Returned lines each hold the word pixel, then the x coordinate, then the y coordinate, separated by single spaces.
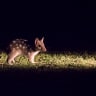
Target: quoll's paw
pixel 11 64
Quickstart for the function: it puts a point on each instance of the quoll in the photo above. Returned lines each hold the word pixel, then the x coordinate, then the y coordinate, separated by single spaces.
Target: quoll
pixel 20 47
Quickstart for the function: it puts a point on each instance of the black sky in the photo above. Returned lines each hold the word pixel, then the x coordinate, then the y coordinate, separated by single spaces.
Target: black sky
pixel 65 25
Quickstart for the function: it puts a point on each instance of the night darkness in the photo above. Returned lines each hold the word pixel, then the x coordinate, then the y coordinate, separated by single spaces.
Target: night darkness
pixel 66 26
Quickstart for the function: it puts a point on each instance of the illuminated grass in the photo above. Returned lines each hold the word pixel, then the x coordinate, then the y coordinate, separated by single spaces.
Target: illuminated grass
pixel 56 60
pixel 3 58
pixel 68 60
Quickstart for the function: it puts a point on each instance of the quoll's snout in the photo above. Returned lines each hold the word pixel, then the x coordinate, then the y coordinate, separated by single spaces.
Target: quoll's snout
pixel 44 50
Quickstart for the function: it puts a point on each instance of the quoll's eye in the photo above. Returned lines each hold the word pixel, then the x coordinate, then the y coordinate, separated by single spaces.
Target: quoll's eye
pixel 39 46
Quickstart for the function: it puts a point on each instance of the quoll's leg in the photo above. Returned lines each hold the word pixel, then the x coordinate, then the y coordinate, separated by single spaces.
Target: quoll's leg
pixel 32 55
pixel 12 57
pixel 31 59
pixel 11 61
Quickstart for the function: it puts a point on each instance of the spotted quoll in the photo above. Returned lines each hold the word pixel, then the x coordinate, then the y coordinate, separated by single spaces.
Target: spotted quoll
pixel 20 47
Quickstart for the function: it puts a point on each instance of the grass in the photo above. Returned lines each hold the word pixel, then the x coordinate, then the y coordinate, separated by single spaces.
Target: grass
pixel 54 60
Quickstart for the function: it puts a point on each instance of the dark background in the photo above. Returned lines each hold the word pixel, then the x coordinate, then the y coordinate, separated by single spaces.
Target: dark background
pixel 66 25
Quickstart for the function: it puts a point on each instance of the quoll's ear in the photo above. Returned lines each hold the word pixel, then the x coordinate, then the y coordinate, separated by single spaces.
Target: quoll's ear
pixel 36 40
pixel 42 39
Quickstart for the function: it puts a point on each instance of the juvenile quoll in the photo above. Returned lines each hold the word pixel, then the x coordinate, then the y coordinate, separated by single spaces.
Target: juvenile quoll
pixel 20 47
